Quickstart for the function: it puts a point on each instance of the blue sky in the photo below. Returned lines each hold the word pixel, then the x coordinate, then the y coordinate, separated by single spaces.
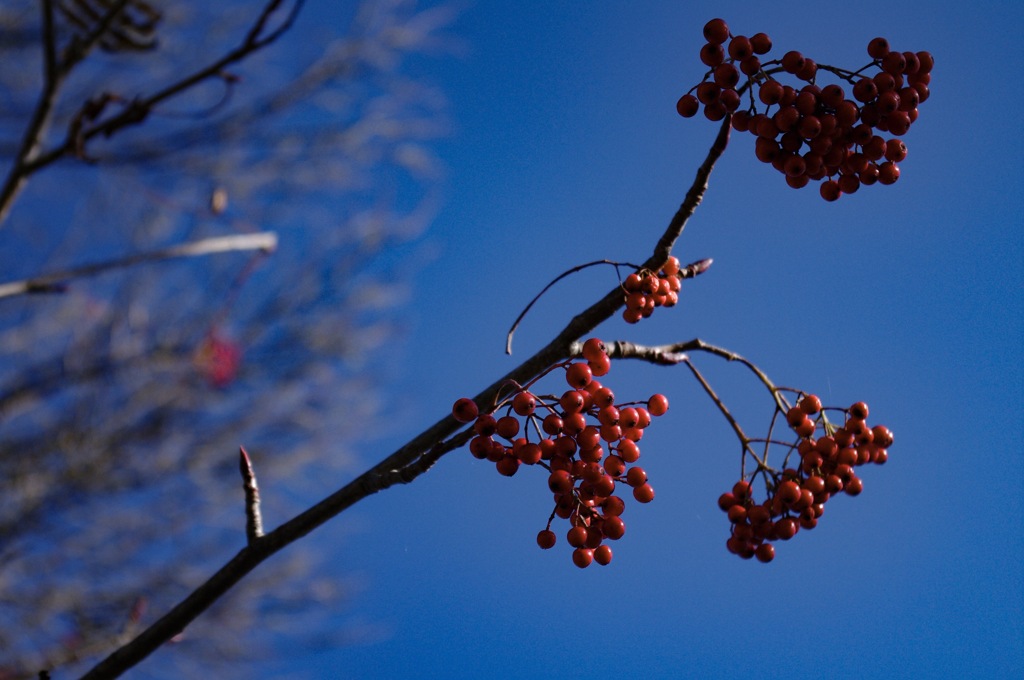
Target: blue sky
pixel 566 148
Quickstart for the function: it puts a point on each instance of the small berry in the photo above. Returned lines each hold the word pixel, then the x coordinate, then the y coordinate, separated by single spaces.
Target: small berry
pixel 765 552
pixel 465 410
pixel 546 539
pixel 582 557
pixel 716 31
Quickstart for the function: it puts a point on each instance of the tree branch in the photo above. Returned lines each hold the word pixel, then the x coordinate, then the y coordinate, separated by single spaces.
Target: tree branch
pixel 57 282
pixel 406 463
pixel 670 355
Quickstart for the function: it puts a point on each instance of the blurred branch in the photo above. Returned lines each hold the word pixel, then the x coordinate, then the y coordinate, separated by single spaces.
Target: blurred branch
pixel 405 464
pixel 265 241
pixel 31 159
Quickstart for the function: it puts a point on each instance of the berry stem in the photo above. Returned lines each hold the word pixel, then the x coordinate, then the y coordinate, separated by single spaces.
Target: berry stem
pixel 569 272
pixel 744 440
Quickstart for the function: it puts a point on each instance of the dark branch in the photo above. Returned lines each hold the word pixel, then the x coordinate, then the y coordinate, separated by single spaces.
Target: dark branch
pixel 402 466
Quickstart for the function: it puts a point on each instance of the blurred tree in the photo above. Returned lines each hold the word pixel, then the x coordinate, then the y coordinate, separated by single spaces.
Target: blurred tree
pixel 123 397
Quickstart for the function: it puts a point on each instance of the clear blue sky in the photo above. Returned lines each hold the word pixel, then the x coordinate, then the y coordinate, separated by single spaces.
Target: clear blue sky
pixel 566 148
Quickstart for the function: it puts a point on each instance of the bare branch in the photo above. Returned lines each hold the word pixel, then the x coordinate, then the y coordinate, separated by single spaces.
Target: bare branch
pixel 265 241
pixel 744 439
pixel 667 355
pixel 693 198
pixel 30 159
pixel 253 518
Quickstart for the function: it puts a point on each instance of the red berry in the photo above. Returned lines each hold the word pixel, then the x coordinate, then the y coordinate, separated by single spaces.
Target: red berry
pixel 830 190
pixel 687 106
pixel 878 48
pixel 810 404
pixel 578 375
pixel 582 557
pixel 765 552
pixel 770 92
pixel 643 493
pixel 761 43
pixel 716 31
pixel 546 539
pixel 707 93
pixel 854 486
pixel 507 427
pixel 613 527
pixel 895 150
pixel 859 411
pixel 788 492
pixel 613 506
pixel 571 402
pixel 740 48
pixel 508 465
pixel 524 403
pixel 628 450
pixel 737 514
pixel 577 536
pixel 786 528
pixel 894 63
pixel 726 76
pixel 792 61
pixel 629 417
pixel 636 476
pixel 603 554
pixel 465 410
pixel 712 54
pixel 594 350
pixel 658 405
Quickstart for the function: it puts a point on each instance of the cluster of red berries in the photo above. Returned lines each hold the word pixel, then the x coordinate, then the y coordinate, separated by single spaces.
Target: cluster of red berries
pixel 796 498
pixel 814 132
pixel 646 290
pixel 572 432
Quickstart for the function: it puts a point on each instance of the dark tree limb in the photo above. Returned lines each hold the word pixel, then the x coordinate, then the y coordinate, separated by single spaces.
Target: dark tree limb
pixel 405 464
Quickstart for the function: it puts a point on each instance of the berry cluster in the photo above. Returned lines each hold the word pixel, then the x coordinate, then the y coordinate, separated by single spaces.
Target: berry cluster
pixel 814 132
pixel 572 434
pixel 796 498
pixel 645 290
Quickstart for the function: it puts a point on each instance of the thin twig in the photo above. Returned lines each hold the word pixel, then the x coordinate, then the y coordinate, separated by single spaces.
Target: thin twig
pixel 578 268
pixel 265 241
pixel 402 466
pixel 80 48
pixel 613 300
pixel 667 355
pixel 744 440
pixel 253 518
